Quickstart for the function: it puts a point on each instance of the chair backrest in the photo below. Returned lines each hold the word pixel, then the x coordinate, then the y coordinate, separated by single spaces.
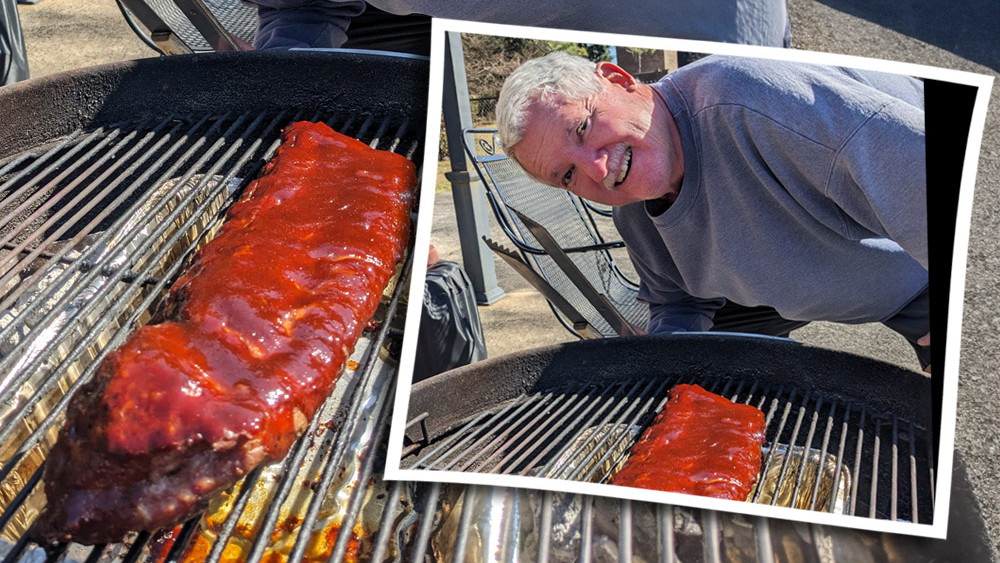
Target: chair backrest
pixel 582 228
pixel 191 26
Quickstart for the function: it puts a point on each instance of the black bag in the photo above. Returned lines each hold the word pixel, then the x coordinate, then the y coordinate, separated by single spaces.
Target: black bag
pixel 13 60
pixel 451 334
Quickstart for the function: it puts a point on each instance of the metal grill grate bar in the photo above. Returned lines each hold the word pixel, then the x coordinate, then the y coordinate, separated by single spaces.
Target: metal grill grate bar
pixel 184 536
pixel 38 210
pixel 523 418
pixel 21 496
pixel 381 389
pixel 562 467
pixel 229 526
pixel 713 537
pixel 800 475
pixel 101 155
pixel 65 279
pixel 478 523
pixel 426 526
pixel 20 160
pixel 591 412
pixel 827 431
pixel 545 530
pixel 876 452
pixel 855 483
pixel 780 430
pixel 665 532
pixel 587 529
pixel 601 411
pixel 765 551
pixel 631 419
pixel 36 171
pixel 914 492
pixel 625 532
pixel 895 469
pixel 386 526
pixel 285 483
pixel 16 216
pixel 541 434
pixel 510 413
pixel 95 554
pixel 16 550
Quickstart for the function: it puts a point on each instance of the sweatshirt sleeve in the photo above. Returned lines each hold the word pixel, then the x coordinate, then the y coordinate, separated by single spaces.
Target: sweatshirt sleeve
pixel 290 24
pixel 879 177
pixel 681 313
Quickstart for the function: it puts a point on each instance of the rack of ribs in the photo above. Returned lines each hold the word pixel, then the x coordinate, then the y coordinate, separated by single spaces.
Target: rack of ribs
pixel 699 444
pixel 260 328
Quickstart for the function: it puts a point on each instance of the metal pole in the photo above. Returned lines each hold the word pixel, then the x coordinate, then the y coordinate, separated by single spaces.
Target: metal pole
pixel 471 212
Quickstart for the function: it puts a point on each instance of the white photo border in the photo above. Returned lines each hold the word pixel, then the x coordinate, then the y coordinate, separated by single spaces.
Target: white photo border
pixel 949 397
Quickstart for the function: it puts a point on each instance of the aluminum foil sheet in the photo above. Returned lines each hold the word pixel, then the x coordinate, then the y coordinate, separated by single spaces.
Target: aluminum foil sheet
pixel 337 446
pixel 596 454
pixel 800 478
pixel 792 477
pixel 495 525
pixel 50 339
pixel 336 458
pixel 500 525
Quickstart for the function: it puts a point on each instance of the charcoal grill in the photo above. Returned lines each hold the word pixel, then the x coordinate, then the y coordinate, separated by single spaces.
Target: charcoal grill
pixel 109 178
pixel 86 160
pixel 845 434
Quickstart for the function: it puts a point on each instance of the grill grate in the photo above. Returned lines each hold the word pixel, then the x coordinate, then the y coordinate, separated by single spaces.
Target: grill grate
pixel 525 525
pixel 820 453
pixel 95 227
pixel 81 264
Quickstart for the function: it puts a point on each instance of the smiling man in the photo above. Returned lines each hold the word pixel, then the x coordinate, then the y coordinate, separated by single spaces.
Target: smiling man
pixel 753 195
pixel 618 144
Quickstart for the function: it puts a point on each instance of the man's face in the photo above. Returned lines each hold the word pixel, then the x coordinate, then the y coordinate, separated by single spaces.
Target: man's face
pixel 612 148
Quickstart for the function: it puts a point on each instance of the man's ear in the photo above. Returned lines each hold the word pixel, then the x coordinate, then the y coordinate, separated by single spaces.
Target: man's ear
pixel 616 75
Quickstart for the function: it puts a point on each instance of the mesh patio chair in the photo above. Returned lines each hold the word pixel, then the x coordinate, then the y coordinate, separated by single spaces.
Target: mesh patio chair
pixel 172 27
pixel 582 229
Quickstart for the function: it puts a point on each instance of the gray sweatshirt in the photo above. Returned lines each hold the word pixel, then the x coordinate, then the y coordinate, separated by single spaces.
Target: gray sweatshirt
pixel 804 190
pixel 324 23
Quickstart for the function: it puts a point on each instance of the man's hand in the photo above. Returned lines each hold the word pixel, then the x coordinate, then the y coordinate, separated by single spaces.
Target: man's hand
pixel 243 45
pixel 432 256
pixel 925 340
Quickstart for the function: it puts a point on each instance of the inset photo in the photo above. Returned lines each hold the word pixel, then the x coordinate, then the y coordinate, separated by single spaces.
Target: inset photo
pixel 690 273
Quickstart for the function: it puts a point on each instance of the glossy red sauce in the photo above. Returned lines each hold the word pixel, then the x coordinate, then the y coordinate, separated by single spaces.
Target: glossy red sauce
pixel 700 444
pixel 272 306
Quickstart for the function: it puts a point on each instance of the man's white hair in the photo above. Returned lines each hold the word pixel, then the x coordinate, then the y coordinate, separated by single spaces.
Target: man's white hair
pixel 569 77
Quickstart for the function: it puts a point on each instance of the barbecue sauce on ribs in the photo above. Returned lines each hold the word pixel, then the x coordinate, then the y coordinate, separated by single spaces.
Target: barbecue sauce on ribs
pixel 261 326
pixel 699 444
